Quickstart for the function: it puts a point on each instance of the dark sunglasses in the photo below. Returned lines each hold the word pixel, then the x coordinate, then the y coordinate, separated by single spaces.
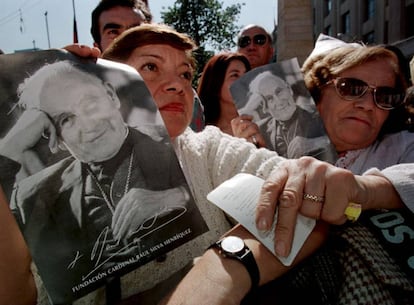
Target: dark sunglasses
pixel 351 89
pixel 259 39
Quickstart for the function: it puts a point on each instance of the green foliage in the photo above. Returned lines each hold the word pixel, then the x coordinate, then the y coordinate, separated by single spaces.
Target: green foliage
pixel 211 25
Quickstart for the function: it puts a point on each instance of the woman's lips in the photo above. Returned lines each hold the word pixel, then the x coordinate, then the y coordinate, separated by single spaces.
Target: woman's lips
pixel 360 120
pixel 175 107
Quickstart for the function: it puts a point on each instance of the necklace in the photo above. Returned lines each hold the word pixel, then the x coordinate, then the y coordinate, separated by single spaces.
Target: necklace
pixel 108 200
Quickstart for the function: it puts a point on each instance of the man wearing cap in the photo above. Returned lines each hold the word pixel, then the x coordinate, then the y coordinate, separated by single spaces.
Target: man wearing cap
pixel 256 44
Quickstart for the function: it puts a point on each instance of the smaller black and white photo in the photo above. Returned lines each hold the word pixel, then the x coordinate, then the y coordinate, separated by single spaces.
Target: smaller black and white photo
pixel 94 182
pixel 276 97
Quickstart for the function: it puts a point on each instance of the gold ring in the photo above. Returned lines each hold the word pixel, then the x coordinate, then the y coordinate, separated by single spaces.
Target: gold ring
pixel 313 198
pixel 353 211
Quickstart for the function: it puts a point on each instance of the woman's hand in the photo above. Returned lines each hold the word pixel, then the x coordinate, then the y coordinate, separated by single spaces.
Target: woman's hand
pixel 318 190
pixel 244 127
pixel 17 285
pixel 83 50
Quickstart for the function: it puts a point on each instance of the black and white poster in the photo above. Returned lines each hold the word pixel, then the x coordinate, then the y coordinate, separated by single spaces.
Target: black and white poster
pixel 277 98
pixel 89 170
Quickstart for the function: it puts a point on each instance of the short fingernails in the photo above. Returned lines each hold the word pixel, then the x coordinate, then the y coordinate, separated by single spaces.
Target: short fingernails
pixel 262 224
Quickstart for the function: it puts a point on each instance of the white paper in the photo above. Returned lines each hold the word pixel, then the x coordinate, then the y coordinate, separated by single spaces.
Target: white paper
pixel 238 197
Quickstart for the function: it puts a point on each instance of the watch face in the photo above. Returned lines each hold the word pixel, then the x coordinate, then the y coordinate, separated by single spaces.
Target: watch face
pixel 232 244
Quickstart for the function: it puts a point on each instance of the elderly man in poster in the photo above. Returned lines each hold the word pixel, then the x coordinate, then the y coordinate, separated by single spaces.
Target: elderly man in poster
pixel 98 207
pixel 286 127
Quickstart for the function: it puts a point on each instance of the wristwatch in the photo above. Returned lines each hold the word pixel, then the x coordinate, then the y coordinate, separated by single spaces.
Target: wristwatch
pixel 234 247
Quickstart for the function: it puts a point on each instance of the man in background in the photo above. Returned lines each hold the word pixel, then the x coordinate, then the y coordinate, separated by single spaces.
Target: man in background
pixel 256 44
pixel 111 17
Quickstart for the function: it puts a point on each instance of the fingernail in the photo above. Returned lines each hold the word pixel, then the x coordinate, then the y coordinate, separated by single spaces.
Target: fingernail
pixel 262 224
pixel 280 248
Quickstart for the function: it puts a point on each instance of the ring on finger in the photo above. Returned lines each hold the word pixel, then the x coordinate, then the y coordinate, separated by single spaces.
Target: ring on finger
pixel 353 211
pixel 254 140
pixel 314 198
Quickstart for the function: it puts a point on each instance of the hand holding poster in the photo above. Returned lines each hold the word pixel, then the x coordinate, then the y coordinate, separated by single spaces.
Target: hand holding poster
pixel 276 96
pixel 96 187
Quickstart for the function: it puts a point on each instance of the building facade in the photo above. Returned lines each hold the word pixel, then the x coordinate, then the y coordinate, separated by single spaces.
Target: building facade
pixel 369 21
pixel 294 29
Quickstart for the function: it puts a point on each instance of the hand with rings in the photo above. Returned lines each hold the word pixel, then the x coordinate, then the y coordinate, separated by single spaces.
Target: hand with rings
pixel 244 127
pixel 312 188
pixel 352 211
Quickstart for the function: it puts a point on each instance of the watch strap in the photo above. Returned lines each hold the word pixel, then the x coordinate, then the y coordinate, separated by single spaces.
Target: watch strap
pixel 246 257
pixel 249 262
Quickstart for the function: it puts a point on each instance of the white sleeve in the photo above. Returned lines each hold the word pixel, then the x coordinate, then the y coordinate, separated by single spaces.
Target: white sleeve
pixel 402 178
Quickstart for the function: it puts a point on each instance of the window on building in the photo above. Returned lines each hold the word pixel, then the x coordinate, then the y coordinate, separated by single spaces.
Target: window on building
pixel 346 23
pixel 327 7
pixel 328 30
pixel 386 27
pixel 369 38
pixel 409 25
pixel 369 9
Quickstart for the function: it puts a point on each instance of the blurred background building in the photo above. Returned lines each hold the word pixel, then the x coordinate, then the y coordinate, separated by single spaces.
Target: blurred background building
pixel 369 21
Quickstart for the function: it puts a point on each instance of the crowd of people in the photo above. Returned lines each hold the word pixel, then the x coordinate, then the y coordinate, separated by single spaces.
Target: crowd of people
pixel 360 94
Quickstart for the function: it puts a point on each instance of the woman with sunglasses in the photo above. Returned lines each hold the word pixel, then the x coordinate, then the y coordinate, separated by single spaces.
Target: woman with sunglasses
pixel 359 92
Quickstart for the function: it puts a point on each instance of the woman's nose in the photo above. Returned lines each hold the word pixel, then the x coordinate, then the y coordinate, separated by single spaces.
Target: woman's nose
pixel 367 101
pixel 173 83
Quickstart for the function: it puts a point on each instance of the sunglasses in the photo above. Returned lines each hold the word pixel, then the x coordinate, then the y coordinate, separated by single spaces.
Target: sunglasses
pixel 351 89
pixel 258 39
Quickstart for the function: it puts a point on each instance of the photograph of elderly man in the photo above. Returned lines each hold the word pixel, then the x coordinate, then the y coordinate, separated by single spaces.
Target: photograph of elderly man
pixel 276 97
pixel 118 200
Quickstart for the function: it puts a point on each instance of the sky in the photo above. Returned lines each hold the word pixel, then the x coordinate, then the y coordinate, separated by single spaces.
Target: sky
pixel 43 24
